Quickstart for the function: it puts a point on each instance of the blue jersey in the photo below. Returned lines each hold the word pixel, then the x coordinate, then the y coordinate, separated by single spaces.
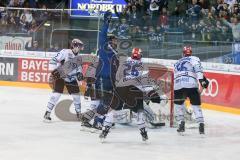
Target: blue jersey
pixel 105 52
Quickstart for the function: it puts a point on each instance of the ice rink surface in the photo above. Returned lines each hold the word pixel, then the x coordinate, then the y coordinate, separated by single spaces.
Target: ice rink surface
pixel 24 135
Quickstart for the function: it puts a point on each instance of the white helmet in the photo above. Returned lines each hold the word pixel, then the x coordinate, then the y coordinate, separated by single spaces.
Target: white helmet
pixel 76 45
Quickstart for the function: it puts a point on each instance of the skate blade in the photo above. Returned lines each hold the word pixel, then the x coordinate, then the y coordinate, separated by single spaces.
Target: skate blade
pixel 47 121
pixel 144 140
pixel 181 133
pixel 102 140
pixel 202 135
pixel 90 130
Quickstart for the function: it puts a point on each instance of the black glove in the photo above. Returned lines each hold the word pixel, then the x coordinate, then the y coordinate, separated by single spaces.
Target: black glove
pixel 55 74
pixel 108 16
pixel 204 82
pixel 79 76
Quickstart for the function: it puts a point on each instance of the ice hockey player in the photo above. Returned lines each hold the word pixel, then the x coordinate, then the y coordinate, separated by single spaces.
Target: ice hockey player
pixel 103 85
pixel 128 74
pixel 70 80
pixel 187 72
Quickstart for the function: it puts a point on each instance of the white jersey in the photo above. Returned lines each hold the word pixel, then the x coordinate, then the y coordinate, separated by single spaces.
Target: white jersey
pixel 187 72
pixel 128 72
pixel 62 57
pixel 134 73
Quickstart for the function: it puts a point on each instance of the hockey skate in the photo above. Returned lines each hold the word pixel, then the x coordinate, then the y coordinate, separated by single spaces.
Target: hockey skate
pixel 104 133
pixel 201 128
pixel 181 128
pixel 47 117
pixel 143 132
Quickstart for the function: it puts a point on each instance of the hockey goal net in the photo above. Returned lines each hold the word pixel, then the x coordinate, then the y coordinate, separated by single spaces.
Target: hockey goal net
pixel 164 112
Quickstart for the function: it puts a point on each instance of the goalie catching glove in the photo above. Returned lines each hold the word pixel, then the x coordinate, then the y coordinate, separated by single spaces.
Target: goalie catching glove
pixel 204 82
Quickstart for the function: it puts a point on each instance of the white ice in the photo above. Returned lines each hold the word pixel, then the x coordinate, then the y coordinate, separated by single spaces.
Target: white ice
pixel 24 135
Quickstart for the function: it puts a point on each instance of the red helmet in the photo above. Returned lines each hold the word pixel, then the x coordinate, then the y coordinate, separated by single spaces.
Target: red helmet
pixel 187 51
pixel 136 53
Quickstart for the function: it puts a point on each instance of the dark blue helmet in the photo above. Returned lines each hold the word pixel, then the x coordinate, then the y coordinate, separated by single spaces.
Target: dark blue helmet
pixel 108 16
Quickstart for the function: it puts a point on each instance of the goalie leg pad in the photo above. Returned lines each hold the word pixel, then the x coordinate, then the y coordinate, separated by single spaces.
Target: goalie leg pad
pixel 154 97
pixel 122 116
pixel 109 118
pixel 88 115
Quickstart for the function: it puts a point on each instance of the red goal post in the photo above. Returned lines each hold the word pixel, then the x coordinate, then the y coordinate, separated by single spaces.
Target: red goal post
pixel 165 76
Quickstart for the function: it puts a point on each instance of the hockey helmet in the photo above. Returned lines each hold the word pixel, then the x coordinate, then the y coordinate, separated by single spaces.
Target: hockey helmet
pixel 187 51
pixel 76 45
pixel 136 53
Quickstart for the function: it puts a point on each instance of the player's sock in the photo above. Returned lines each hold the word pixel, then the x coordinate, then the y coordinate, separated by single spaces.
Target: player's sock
pixel 180 110
pixel 77 104
pixel 54 97
pixel 198 113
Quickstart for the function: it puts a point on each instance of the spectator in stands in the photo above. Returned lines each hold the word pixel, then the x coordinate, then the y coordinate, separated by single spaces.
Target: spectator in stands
pixel 42 16
pixel 123 15
pixel 155 12
pixel 123 29
pixel 236 10
pixel 15 3
pixel 28 14
pixel 178 13
pixel 24 25
pixel 135 16
pixel 54 48
pixel 235 26
pixel 112 29
pixel 194 12
pixel 146 20
pixel 152 37
pixel 221 31
pixel 34 47
pixel 33 27
pixel 4 24
pixel 163 19
pixel 138 33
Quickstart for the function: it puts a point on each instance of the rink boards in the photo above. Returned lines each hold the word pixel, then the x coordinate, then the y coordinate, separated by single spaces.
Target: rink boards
pixel 221 95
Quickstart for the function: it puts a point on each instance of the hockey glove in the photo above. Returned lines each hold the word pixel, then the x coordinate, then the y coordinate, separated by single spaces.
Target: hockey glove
pixel 204 82
pixel 55 74
pixel 79 76
pixel 108 16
